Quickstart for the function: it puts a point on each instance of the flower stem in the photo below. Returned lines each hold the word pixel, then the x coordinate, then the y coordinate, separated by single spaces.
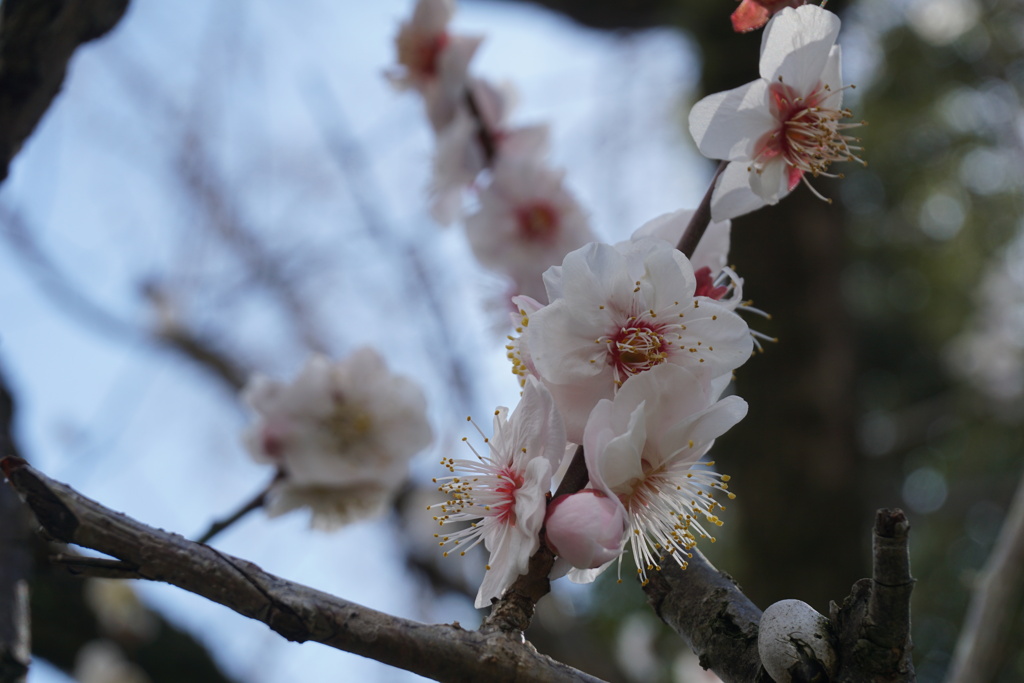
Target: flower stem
pixel 701 218
pixel 253 503
pixel 576 476
pixel 484 134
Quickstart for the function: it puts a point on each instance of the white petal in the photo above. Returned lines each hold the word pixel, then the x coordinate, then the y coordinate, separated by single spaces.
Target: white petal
pixel 832 77
pixel 706 426
pixel 771 181
pixel 733 196
pixel 587 575
pixel 561 341
pixel 668 226
pixel 620 462
pixel 537 425
pixel 576 401
pixel 432 16
pixel 728 124
pixel 713 250
pixel 796 44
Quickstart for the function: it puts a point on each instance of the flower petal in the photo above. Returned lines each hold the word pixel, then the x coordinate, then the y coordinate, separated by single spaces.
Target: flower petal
pixel 733 196
pixel 796 44
pixel 770 182
pixel 728 124
pixel 832 78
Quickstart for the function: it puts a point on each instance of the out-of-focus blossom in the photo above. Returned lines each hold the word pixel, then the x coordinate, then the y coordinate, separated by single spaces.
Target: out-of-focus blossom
pixel 432 61
pixel 119 611
pixel 787 124
pixel 644 447
pixel 503 495
pixel 753 14
pixel 476 138
pixel 526 223
pixel 341 435
pixel 587 528
pixel 617 312
pixel 102 661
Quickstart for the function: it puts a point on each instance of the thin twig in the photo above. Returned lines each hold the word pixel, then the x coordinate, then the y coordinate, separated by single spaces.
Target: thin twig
pixel 253 503
pixel 70 296
pixel 701 218
pixel 483 133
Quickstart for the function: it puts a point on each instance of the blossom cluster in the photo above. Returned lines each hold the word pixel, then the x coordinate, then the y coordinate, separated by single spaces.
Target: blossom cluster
pixel 624 351
pixel 525 219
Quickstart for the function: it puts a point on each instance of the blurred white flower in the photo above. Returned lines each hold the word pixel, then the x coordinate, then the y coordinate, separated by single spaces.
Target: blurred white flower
pixel 642 449
pixel 777 129
pixel 503 495
pixel 477 136
pixel 102 661
pixel 527 222
pixel 119 611
pixel 617 312
pixel 341 436
pixel 432 61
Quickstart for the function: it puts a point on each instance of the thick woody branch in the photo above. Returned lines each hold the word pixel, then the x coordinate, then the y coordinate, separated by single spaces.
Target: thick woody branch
pixel 711 613
pixel 873 625
pixel 15 562
pixel 443 652
pixel 37 39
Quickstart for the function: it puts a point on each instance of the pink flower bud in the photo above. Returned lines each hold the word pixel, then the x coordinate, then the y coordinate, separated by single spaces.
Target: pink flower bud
pixel 586 528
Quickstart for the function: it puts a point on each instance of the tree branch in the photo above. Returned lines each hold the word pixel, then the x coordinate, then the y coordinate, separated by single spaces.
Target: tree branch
pixel 37 39
pixel 983 638
pixel 873 625
pixel 15 563
pixel 443 652
pixel 707 608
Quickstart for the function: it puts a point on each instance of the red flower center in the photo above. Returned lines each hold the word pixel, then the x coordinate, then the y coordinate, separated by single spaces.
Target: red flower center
pixel 706 285
pixel 511 481
pixel 809 136
pixel 636 348
pixel 419 54
pixel 538 222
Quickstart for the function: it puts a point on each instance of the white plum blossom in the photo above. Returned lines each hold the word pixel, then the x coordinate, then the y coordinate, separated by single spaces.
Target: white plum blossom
pixel 474 140
pixel 341 436
pixel 715 279
pixel 644 447
pixel 616 312
pixel 503 495
pixel 527 221
pixel 785 125
pixel 432 61
pixel 587 528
